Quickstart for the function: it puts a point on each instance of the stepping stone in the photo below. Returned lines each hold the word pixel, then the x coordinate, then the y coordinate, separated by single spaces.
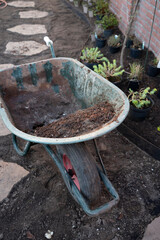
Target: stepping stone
pixel 153 230
pixel 10 174
pixel 3 129
pixel 21 4
pixel 5 66
pixel 29 29
pixel 25 48
pixel 33 14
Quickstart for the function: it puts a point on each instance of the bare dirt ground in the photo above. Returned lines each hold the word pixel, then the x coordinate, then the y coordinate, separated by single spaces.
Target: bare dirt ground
pixel 40 201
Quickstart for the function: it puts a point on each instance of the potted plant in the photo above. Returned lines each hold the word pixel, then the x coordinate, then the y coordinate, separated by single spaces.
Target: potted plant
pixel 85 6
pixel 76 3
pixel 152 69
pixel 114 43
pixel 130 41
pixel 108 22
pixel 135 76
pixel 92 56
pixel 90 11
pixel 141 103
pixel 100 38
pixel 136 49
pixel 110 71
pixel 101 8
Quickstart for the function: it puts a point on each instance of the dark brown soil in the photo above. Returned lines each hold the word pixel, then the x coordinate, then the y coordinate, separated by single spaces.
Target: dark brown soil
pixel 40 201
pixel 78 123
pixel 38 108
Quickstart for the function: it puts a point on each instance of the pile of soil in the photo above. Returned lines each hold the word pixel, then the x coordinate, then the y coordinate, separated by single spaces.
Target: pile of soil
pixel 80 122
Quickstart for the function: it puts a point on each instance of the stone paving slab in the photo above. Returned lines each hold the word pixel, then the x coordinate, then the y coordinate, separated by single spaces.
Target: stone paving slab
pixel 21 4
pixel 33 14
pixel 25 48
pixel 10 174
pixel 153 230
pixel 3 130
pixel 28 29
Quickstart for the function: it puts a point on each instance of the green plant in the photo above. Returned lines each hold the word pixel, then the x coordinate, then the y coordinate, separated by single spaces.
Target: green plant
pixel 158 128
pixel 136 71
pixel 108 70
pixel 108 21
pixel 137 44
pixel 114 41
pixel 92 55
pixel 101 7
pixel 154 62
pixel 139 99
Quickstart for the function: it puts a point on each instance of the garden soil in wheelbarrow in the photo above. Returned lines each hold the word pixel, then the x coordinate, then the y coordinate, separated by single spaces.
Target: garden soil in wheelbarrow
pixel 79 122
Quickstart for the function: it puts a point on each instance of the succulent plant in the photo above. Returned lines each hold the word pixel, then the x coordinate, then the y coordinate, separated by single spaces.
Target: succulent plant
pixel 92 55
pixel 114 41
pixel 108 70
pixel 140 99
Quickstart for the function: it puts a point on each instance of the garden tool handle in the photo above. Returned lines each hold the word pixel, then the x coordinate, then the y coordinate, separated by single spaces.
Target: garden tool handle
pixel 49 43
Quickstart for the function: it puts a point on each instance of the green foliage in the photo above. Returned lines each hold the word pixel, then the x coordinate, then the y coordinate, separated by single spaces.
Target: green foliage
pixel 108 21
pixel 137 44
pixel 158 128
pixel 139 99
pixel 136 71
pixel 101 7
pixel 108 69
pixel 114 41
pixel 91 55
pixel 155 62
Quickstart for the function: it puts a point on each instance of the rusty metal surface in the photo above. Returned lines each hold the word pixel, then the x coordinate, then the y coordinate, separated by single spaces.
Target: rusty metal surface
pixel 66 79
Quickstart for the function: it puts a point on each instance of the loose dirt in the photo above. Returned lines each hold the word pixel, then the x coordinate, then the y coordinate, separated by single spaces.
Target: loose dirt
pixel 78 123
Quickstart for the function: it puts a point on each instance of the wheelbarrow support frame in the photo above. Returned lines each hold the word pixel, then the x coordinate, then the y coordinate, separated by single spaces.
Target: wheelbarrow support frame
pixel 74 190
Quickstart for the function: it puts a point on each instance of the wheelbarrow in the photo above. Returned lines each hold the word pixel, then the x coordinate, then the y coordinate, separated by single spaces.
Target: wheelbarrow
pixel 63 77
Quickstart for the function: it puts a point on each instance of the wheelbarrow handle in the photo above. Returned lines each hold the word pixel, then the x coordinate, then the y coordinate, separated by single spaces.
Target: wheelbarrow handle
pixel 49 43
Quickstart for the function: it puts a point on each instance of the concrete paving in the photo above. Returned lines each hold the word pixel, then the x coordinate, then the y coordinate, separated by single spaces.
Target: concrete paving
pixel 153 230
pixel 28 29
pixel 33 14
pixel 21 4
pixel 3 130
pixel 25 48
pixel 10 173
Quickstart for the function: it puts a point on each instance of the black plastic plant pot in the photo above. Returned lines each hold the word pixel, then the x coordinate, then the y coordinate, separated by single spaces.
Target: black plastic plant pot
pixel 158 93
pixel 133 85
pixel 108 32
pixel 138 115
pixel 136 53
pixel 129 43
pixel 114 49
pixel 99 17
pixel 90 65
pixel 115 80
pixel 100 43
pixel 152 71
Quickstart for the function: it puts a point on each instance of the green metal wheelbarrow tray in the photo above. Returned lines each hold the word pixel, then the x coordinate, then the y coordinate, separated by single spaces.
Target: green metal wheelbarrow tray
pixel 82 176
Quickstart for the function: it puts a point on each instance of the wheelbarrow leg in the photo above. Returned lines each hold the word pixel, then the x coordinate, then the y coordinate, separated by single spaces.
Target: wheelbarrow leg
pixel 18 150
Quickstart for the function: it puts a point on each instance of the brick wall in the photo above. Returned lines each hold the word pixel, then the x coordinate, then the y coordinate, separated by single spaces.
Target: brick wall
pixel 143 21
